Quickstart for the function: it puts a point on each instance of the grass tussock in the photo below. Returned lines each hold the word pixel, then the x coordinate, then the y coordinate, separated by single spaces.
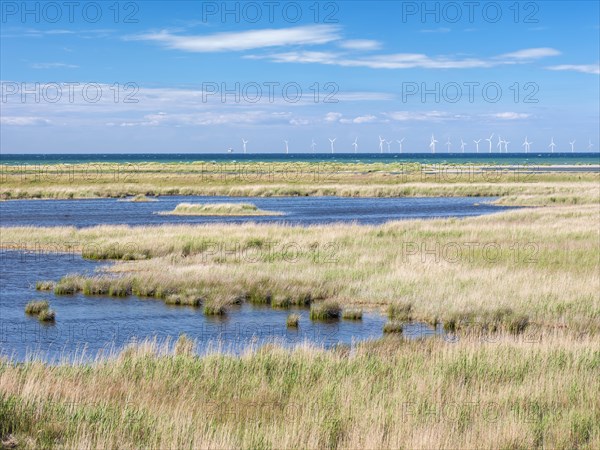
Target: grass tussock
pixel 44 286
pixel 219 209
pixel 400 311
pixel 41 310
pixel 501 319
pixel 352 314
pixel 392 327
pixel 326 310
pixel 36 307
pixel 292 321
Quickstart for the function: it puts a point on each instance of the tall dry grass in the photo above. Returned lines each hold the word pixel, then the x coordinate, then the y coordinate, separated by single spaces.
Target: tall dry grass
pixel 505 393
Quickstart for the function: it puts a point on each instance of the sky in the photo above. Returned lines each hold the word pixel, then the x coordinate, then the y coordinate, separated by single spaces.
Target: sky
pixel 200 77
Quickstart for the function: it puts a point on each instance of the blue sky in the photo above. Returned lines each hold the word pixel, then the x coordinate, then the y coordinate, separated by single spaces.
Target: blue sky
pixel 368 61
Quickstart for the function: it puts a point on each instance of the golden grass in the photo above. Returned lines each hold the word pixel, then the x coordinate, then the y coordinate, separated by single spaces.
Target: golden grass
pixel 256 179
pixel 503 393
pixel 219 209
pixel 542 263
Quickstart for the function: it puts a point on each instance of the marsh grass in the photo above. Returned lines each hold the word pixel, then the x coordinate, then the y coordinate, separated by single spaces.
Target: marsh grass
pixel 400 311
pixel 381 394
pixel 292 321
pixel 326 310
pixel 44 285
pixel 214 308
pixel 36 307
pixel 352 314
pixel 218 209
pixel 392 327
pixel 141 198
pixel 46 315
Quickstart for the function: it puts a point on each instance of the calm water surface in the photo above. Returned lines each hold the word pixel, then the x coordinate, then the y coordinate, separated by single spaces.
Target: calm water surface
pixel 296 210
pixel 97 324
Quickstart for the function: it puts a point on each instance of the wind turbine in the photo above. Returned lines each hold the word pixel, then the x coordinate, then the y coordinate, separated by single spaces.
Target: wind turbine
pixel 448 144
pixel 229 150
pixel 432 145
pixel 244 142
pixel 400 143
pixel 506 145
pixel 381 141
pixel 552 145
pixel 477 144
pixel 527 145
pixel 590 145
pixel 463 144
pixel 490 141
pixel 355 144
pixel 287 149
pixel 573 146
pixel 388 144
pixel 332 142
pixel 313 145
pixel 499 145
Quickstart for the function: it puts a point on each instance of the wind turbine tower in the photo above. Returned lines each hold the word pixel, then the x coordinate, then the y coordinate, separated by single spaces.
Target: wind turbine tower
pixel 552 144
pixel 432 145
pixel 573 146
pixel 448 144
pixel 463 144
pixel 590 145
pixel 527 145
pixel 477 144
pixel 400 143
pixel 332 143
pixel 287 148
pixel 381 141
pixel 313 145
pixel 490 141
pixel 244 142
pixel 355 144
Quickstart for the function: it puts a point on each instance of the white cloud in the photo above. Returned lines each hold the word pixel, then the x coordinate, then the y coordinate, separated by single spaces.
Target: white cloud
pixel 436 30
pixel 24 121
pixel 245 40
pixel 406 60
pixel 511 116
pixel 583 68
pixel 53 66
pixel 360 119
pixel 530 54
pixel 360 44
pixel 332 117
pixel 433 116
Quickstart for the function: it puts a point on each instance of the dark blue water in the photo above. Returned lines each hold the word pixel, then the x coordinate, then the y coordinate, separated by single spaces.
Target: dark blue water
pixel 99 324
pixel 296 210
pixel 424 158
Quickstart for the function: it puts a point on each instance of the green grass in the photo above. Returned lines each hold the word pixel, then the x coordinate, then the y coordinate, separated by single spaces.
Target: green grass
pixel 36 307
pixel 400 311
pixel 326 310
pixel 214 309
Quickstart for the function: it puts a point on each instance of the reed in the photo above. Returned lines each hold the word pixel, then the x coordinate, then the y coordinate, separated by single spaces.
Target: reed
pixel 352 314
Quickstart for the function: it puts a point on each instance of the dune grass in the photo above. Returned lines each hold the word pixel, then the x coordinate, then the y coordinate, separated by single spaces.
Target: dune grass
pixel 394 393
pixel 219 209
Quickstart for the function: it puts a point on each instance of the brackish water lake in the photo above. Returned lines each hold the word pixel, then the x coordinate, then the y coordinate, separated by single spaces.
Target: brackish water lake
pixel 296 210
